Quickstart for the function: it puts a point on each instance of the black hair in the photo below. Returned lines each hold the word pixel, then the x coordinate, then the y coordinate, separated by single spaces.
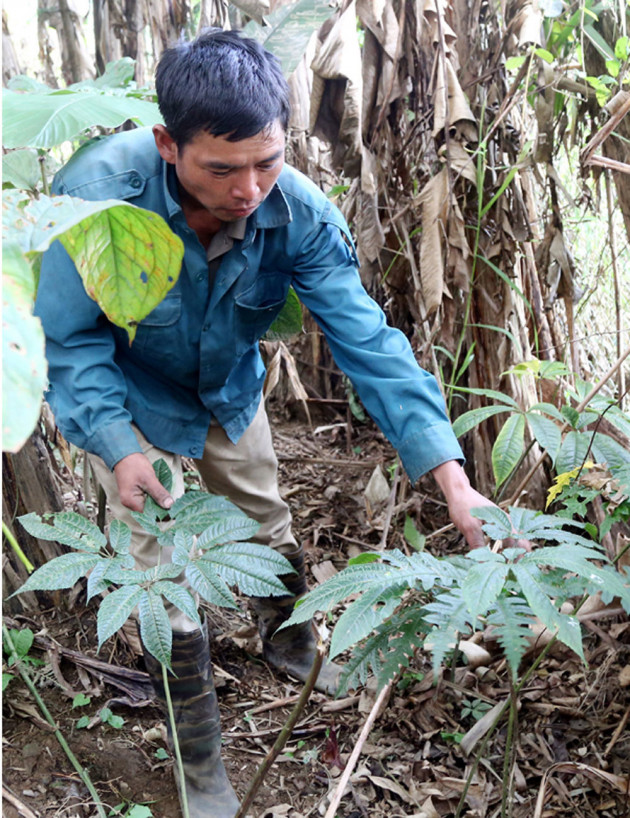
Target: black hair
pixel 221 83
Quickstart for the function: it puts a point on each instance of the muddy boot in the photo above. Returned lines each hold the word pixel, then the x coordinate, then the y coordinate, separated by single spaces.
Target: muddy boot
pixel 197 720
pixel 293 649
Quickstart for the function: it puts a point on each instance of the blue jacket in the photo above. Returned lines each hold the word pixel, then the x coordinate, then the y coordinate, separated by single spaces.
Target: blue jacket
pixel 196 355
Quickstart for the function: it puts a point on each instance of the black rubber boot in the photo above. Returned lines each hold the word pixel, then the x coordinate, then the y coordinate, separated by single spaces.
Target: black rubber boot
pixel 198 726
pixel 293 649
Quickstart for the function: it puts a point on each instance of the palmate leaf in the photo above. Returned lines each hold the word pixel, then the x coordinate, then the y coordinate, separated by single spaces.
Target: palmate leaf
pixel 511 620
pixel 194 502
pixel 155 627
pixel 497 524
pixel 355 579
pixel 566 627
pixel 411 632
pixel 363 616
pixel 115 610
pixel 205 580
pixel 227 529
pixel 449 613
pixel 44 120
pixel 254 568
pixel 180 597
pixel 482 585
pixel 508 447
pixel 60 572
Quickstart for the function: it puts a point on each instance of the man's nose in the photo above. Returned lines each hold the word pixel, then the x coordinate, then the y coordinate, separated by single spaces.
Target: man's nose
pixel 246 185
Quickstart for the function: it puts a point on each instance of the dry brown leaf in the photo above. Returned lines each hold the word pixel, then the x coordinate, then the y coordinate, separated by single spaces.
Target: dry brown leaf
pixel 617 782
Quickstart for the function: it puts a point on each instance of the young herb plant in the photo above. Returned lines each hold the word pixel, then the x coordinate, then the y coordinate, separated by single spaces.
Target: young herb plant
pixel 211 552
pixel 406 602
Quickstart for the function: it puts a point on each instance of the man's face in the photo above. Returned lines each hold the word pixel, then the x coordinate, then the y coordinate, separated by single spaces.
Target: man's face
pixel 227 179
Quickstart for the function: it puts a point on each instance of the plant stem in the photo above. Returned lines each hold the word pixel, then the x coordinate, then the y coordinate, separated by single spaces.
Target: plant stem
pixel 178 755
pixel 10 538
pixel 508 761
pixel 499 716
pixel 283 737
pixel 46 713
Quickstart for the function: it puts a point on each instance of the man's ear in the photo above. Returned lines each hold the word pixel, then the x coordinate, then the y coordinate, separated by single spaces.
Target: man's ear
pixel 166 145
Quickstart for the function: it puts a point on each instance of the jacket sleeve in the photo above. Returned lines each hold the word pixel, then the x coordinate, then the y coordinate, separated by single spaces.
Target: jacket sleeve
pixel 87 390
pixel 403 399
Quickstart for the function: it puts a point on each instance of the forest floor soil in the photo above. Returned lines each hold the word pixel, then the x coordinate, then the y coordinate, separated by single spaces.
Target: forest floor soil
pixel 573 738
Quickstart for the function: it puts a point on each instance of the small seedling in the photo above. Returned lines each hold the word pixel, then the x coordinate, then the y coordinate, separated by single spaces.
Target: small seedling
pixel 475 708
pixel 22 642
pixel 161 755
pixel 80 700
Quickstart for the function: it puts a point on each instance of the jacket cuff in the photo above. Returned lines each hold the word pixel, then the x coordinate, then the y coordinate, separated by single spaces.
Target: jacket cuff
pixel 428 449
pixel 113 442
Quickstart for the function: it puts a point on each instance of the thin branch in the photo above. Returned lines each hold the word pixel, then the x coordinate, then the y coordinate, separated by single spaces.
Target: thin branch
pixel 285 733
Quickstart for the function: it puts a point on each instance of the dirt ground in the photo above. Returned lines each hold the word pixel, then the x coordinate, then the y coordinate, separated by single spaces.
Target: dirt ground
pixel 573 732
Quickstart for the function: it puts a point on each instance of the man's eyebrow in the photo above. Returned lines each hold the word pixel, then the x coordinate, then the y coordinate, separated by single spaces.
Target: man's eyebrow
pixel 224 166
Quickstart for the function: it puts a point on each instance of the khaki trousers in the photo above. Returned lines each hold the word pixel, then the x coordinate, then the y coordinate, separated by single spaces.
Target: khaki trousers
pixel 246 473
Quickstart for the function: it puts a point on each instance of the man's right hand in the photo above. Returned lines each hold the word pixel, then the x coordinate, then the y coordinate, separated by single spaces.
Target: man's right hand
pixel 136 478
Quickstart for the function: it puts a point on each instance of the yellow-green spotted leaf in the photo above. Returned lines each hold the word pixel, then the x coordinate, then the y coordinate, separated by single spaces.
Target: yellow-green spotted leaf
pixel 128 259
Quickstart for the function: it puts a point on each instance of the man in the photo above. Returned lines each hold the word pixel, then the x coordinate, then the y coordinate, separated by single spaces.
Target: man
pixel 191 382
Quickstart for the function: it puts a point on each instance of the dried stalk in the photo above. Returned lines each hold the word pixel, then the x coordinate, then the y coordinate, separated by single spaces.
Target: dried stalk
pixel 354 757
pixel 284 734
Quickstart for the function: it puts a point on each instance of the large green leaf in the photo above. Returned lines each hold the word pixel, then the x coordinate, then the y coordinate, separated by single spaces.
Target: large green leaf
pixel 546 432
pixel 43 120
pixel 205 580
pixel 128 259
pixel 464 423
pixel 180 597
pixel 21 169
pixel 362 616
pixel 289 29
pixel 508 447
pixel 24 367
pixel 573 451
pixel 289 322
pixel 566 627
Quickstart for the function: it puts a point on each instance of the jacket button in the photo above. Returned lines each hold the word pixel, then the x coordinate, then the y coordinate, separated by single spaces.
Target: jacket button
pixel 135 183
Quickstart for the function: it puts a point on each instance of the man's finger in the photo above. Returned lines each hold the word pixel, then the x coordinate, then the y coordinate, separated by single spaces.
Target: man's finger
pixel 157 491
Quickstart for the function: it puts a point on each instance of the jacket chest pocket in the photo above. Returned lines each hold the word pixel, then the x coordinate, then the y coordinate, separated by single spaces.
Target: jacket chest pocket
pixel 257 307
pixel 158 334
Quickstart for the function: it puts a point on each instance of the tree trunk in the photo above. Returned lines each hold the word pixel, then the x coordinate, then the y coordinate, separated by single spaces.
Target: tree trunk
pixel 28 485
pixel 10 63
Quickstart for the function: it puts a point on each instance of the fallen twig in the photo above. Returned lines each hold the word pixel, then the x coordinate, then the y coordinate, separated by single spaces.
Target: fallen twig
pixel 354 757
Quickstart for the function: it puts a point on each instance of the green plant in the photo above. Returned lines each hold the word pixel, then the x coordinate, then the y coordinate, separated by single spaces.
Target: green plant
pixel 211 552
pixel 125 810
pixel 474 708
pixel 562 431
pixel 22 641
pixel 405 602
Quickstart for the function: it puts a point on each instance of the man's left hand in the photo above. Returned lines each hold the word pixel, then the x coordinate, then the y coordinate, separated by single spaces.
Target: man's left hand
pixel 461 498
